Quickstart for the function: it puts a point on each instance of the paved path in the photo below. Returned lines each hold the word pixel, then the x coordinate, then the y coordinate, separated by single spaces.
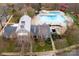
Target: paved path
pixel 53 45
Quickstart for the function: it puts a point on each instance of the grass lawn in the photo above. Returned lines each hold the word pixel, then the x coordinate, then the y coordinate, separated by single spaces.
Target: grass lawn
pixel 7 45
pixel 15 19
pixel 75 18
pixel 46 47
pixel 10 47
pixel 61 43
pixel 16 16
pixel 72 35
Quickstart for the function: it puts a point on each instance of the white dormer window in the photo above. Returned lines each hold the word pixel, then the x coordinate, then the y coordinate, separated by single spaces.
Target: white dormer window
pixel 23 22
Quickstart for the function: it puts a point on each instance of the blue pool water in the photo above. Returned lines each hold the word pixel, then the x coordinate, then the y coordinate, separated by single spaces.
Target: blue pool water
pixel 53 18
pixel 48 17
pixel 57 13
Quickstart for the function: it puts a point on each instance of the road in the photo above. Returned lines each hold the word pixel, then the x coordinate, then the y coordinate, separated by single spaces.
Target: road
pixel 74 52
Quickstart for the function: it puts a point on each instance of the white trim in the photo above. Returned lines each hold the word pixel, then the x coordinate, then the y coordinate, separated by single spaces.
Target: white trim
pixel 20 34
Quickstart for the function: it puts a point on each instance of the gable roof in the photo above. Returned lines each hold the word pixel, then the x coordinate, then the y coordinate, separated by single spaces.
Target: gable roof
pixel 27 23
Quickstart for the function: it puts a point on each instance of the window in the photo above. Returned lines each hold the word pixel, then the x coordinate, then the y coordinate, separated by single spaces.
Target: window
pixel 23 22
pixel 22 26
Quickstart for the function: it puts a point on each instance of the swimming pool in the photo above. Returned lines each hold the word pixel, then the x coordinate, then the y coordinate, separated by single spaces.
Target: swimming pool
pixel 56 12
pixel 52 19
